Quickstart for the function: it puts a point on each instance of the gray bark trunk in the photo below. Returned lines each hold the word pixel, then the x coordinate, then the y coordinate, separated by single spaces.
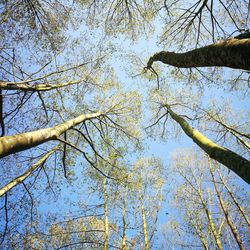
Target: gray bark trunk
pixel 233 161
pixel 16 143
pixel 232 53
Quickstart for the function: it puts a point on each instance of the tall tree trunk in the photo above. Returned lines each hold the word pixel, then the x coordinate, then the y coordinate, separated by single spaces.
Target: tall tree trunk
pixel 225 211
pixel 233 161
pixel 221 226
pixel 106 220
pixel 24 86
pixel 235 201
pixel 211 225
pixel 124 220
pixel 1 114
pixel 210 220
pixel 232 53
pixel 22 177
pixel 20 142
pixel 199 233
pixel 144 221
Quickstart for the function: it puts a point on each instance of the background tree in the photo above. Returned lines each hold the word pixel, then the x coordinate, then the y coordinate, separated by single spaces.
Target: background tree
pixel 204 219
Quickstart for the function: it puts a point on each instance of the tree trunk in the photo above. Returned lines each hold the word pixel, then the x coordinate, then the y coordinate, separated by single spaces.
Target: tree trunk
pixel 235 201
pixel 22 177
pixel 106 220
pixel 20 142
pixel 232 53
pixel 225 211
pixel 200 236
pixel 145 232
pixel 210 221
pixel 24 86
pixel 233 161
pixel 1 114
pixel 124 219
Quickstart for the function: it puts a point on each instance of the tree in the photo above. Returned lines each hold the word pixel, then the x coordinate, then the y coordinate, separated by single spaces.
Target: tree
pixel 235 200
pixel 25 175
pixel 83 231
pixel 232 53
pixel 233 129
pixel 74 129
pixel 233 161
pixel 229 52
pixel 206 218
pixel 146 184
pixel 35 20
pixel 71 121
pixel 17 143
pixel 124 221
pixel 130 17
pixel 201 21
pixel 225 211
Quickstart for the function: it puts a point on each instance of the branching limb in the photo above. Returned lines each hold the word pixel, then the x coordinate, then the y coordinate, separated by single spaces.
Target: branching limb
pixel 44 107
pixel 64 156
pixel 1 114
pixel 85 156
pixel 6 218
pixel 22 177
pixel 31 200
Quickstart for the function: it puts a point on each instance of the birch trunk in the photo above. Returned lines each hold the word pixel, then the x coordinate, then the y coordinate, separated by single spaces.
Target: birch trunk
pixel 21 142
pixel 124 220
pixel 145 233
pixel 210 221
pixel 235 201
pixel 24 86
pixel 22 177
pixel 106 221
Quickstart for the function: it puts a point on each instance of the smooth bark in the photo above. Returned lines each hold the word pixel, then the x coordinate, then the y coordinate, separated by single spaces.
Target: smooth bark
pixel 1 114
pixel 106 220
pixel 144 221
pixel 200 236
pixel 232 53
pixel 23 86
pixel 210 220
pixel 124 211
pixel 233 161
pixel 26 174
pixel 21 142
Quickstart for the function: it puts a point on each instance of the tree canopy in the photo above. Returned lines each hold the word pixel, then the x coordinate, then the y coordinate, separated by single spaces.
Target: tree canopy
pixel 114 112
